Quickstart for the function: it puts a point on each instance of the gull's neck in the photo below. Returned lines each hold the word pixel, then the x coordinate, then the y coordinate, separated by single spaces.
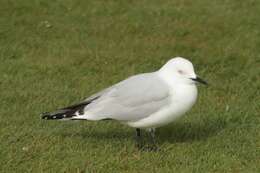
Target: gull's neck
pixel 171 80
pixel 166 77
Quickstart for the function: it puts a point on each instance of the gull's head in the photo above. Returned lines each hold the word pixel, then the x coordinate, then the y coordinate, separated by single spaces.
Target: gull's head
pixel 180 70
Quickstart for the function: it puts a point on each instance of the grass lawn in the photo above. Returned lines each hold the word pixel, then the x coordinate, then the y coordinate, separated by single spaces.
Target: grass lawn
pixel 56 52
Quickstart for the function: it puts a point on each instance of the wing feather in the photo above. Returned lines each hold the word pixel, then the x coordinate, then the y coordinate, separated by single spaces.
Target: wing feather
pixel 134 98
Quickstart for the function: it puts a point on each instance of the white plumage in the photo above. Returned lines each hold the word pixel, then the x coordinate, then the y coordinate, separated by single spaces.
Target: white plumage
pixel 145 101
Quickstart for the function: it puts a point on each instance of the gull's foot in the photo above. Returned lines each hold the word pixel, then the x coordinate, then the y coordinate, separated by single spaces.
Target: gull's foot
pixel 149 148
pixel 139 141
pixel 153 148
pixel 139 145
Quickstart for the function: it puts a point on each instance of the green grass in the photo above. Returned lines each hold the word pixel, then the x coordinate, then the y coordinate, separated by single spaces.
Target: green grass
pixel 56 52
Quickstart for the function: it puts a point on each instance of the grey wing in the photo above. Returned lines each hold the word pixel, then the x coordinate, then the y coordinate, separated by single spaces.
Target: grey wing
pixel 134 98
pixel 98 94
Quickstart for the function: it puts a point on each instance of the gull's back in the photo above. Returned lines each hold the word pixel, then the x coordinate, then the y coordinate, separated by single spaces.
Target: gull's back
pixel 133 99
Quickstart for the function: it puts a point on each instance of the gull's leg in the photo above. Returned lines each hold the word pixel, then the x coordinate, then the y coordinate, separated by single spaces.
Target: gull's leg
pixel 152 138
pixel 138 138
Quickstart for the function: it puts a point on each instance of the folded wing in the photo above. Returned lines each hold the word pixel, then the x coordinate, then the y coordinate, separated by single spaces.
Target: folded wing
pixel 132 99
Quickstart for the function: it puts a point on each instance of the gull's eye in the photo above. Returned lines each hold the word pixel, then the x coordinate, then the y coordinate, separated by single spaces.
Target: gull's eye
pixel 181 72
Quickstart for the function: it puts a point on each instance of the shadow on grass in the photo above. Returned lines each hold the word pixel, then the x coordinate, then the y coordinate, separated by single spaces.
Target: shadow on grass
pixel 173 133
pixel 101 131
pixel 188 132
pixel 102 135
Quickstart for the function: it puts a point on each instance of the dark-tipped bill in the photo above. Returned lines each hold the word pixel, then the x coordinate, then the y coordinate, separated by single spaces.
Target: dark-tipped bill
pixel 198 79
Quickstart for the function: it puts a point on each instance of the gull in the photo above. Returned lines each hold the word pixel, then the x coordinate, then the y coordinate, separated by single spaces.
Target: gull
pixel 145 101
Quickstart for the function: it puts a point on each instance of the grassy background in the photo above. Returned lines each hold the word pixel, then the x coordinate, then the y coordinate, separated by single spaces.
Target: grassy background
pixel 56 52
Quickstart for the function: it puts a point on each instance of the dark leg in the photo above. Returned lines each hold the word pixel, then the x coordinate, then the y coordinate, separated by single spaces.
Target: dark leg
pixel 152 139
pixel 138 138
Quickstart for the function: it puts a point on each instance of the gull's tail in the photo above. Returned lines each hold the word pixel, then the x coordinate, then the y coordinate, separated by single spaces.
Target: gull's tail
pixel 66 113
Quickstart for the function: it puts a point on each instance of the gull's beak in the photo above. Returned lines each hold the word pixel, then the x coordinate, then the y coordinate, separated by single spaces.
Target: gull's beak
pixel 198 79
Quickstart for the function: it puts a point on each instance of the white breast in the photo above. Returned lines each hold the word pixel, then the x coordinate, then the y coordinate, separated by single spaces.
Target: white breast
pixel 183 98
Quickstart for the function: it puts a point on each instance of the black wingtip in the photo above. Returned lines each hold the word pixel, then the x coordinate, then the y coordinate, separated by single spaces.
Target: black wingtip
pixel 56 115
pixel 46 116
pixel 49 116
pixel 67 112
